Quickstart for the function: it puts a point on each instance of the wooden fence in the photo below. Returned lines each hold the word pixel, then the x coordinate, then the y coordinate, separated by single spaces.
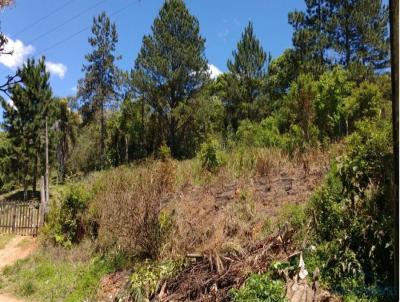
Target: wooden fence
pixel 21 218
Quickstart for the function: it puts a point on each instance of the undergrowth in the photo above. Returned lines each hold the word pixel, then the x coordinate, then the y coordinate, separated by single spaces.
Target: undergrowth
pixel 54 275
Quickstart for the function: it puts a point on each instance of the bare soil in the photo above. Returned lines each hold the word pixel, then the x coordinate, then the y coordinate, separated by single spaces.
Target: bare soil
pixel 17 248
pixel 236 212
pixel 223 222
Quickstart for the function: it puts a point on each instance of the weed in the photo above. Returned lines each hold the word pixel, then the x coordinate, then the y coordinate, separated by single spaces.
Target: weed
pixel 260 288
pixel 54 275
pixel 147 277
pixel 27 288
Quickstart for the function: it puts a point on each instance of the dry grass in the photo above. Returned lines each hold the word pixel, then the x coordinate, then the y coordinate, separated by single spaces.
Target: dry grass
pixel 129 206
pixel 137 206
pixel 240 203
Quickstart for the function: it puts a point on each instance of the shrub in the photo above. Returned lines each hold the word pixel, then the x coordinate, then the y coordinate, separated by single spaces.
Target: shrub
pixel 260 288
pixel 295 140
pixel 56 274
pixel 130 211
pixel 67 221
pixel 353 216
pixel 263 134
pixel 210 155
pixel 148 276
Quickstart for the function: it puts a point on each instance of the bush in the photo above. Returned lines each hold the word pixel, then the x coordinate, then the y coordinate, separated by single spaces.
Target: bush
pixel 51 275
pixel 264 134
pixel 210 155
pixel 260 288
pixel 67 221
pixel 353 214
pixel 129 205
pixel 147 277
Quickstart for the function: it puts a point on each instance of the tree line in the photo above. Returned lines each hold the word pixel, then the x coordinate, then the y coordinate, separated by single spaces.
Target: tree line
pixel 334 75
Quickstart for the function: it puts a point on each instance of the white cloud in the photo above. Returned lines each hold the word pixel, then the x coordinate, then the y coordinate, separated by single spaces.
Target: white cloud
pixel 74 89
pixel 11 103
pixel 214 71
pixel 20 52
pixel 57 69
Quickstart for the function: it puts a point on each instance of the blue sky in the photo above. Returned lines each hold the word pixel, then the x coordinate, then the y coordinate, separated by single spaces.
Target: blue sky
pixel 51 28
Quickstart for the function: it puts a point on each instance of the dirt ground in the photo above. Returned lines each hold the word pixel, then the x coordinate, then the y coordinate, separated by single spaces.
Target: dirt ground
pixel 19 247
pixel 234 213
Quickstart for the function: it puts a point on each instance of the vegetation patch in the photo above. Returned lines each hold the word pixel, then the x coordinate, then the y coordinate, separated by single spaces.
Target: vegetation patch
pixel 56 276
pixel 4 239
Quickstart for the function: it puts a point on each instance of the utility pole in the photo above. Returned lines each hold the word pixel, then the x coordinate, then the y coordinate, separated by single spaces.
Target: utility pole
pixel 394 45
pixel 47 170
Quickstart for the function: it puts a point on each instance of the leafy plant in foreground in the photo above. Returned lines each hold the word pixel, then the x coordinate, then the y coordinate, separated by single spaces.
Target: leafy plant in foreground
pixel 260 288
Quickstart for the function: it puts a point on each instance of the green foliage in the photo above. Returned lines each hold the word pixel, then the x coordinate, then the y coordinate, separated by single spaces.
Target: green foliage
pixel 332 89
pixel 85 154
pixel 148 277
pixel 293 215
pixel 282 71
pixel 311 37
pixel 260 288
pixel 354 216
pixel 171 68
pixel 250 59
pixel 99 86
pixel 7 182
pixel 68 221
pixel 67 125
pixel 356 32
pixel 365 101
pixel 263 134
pixel 46 277
pixel 164 152
pixel 210 155
pixel 242 88
pixel 24 121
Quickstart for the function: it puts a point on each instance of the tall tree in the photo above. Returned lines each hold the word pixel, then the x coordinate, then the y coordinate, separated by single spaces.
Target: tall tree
pixel 310 36
pixel 98 88
pixel 249 59
pixel 359 32
pixel 171 67
pixel 24 119
pixel 243 84
pixel 66 125
pixel 353 31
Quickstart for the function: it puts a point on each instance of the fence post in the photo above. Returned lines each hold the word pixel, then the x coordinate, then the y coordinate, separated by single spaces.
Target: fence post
pixel 14 215
pixel 42 202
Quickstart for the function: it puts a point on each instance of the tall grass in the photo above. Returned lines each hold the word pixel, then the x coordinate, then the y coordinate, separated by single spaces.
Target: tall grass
pixel 56 274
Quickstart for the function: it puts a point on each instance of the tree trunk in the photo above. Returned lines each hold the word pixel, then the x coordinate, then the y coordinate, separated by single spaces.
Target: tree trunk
pixel 47 164
pixel 25 187
pixel 142 143
pixel 102 135
pixel 126 148
pixel 34 179
pixel 172 129
pixel 62 164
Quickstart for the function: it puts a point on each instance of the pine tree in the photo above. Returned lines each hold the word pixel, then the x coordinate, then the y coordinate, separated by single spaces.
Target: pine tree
pixel 243 85
pixel 66 125
pixel 249 60
pixel 353 31
pixel 310 37
pixel 24 119
pixel 171 68
pixel 98 87
pixel 359 32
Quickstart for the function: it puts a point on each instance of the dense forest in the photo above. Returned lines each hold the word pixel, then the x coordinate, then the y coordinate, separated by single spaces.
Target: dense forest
pixel 130 141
